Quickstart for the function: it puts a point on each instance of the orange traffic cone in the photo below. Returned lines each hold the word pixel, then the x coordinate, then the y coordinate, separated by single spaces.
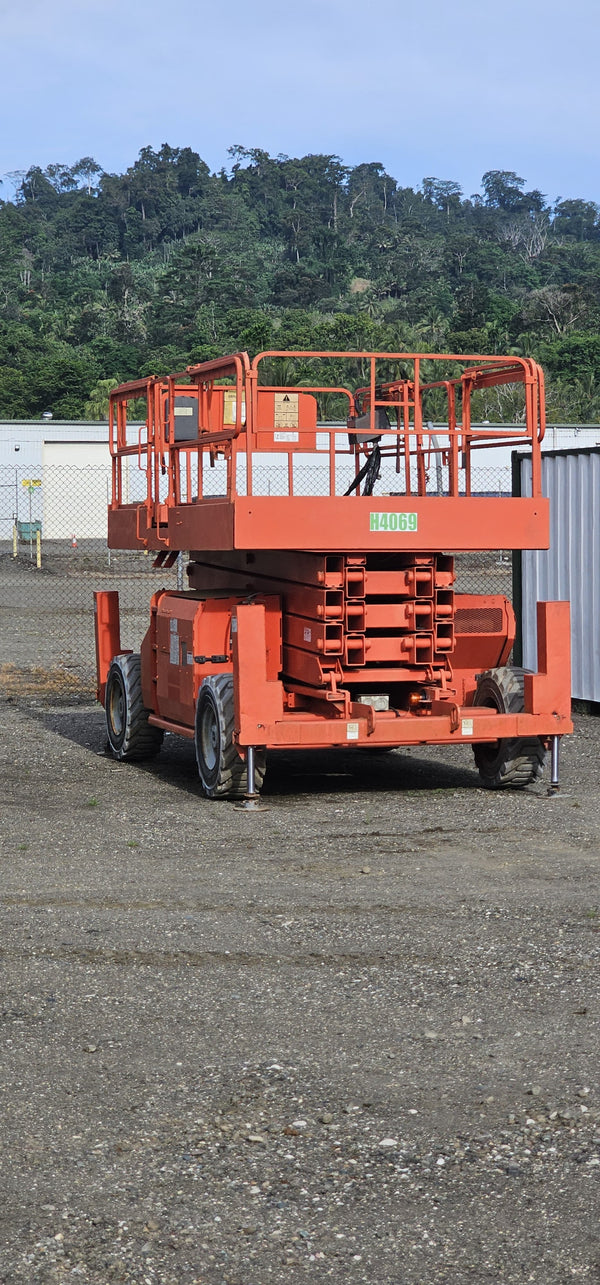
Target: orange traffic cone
pixel 73 542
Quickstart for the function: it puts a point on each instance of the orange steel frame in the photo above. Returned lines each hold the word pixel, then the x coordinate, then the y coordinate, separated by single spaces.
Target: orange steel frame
pixel 251 554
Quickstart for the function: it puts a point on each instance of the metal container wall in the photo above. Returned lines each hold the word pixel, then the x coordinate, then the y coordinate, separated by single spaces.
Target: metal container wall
pixel 570 568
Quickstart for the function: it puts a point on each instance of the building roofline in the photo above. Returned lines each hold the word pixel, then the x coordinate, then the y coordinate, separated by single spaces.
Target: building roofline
pixel 63 423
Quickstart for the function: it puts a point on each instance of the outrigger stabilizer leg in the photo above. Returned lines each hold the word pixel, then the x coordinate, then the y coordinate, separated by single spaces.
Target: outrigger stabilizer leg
pixel 252 801
pixel 554 786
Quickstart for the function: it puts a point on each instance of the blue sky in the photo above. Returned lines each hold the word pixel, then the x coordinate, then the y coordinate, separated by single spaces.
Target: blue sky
pixel 442 89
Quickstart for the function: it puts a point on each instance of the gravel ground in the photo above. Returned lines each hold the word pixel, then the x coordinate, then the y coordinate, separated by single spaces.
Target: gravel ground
pixel 353 1038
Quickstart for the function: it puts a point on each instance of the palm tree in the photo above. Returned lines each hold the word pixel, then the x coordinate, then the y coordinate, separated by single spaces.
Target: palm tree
pixel 96 406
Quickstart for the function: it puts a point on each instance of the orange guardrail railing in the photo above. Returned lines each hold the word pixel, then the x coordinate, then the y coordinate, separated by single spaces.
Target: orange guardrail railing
pixel 219 413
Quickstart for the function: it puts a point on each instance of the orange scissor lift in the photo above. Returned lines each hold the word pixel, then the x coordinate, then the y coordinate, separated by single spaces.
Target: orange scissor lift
pixel 321 609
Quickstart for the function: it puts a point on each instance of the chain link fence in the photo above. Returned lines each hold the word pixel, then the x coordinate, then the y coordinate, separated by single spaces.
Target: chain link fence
pixel 53 555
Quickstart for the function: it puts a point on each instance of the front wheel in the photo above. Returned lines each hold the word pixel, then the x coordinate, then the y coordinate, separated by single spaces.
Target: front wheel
pixel 506 764
pixel 130 735
pixel 223 773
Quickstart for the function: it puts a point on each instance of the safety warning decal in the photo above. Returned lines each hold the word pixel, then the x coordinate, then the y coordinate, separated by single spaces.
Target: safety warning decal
pixel 286 410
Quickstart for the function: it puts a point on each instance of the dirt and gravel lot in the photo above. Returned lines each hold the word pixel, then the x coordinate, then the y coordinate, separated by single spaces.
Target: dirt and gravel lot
pixel 351 1038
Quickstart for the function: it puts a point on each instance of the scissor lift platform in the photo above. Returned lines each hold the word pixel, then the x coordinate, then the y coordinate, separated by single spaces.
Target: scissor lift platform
pixel 321 608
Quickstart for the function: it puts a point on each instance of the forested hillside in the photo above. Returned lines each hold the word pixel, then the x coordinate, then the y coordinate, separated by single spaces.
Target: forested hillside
pixel 105 277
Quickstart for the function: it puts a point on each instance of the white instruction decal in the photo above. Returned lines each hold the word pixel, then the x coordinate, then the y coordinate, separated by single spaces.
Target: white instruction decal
pixel 467 726
pixel 352 731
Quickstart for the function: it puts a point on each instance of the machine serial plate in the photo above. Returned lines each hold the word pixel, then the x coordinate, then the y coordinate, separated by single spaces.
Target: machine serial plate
pixel 393 522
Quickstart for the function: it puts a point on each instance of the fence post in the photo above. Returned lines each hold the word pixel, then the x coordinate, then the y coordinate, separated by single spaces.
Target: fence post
pixel 38 549
pixel 15 540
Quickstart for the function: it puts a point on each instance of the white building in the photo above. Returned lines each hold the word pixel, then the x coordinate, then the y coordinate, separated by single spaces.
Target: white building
pixel 69 463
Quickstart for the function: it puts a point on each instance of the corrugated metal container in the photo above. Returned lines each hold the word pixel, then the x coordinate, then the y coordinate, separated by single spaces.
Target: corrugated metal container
pixel 570 568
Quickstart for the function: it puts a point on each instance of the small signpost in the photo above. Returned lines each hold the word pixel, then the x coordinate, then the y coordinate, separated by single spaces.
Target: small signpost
pixel 29 484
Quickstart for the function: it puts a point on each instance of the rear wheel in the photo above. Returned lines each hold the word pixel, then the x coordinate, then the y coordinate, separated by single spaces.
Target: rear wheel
pixel 130 735
pixel 223 773
pixel 506 764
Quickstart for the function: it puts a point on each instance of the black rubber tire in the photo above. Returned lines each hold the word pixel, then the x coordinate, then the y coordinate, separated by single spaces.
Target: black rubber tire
pixel 130 735
pixel 506 764
pixel 223 774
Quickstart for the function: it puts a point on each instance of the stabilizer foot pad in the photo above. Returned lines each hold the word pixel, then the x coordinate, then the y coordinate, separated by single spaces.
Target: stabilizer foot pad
pixel 252 803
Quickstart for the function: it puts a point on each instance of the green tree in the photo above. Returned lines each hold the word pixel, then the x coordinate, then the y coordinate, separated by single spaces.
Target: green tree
pixel 143 271
pixel 443 193
pixel 578 219
pixel 96 406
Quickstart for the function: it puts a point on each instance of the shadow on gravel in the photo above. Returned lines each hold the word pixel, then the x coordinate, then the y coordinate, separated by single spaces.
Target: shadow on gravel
pixel 301 772
pixel 343 772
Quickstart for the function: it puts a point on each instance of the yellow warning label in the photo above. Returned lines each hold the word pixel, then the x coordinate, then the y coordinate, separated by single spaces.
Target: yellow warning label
pixel 286 410
pixel 230 407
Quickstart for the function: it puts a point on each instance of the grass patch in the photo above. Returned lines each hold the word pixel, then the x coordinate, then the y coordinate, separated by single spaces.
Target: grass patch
pixel 43 683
